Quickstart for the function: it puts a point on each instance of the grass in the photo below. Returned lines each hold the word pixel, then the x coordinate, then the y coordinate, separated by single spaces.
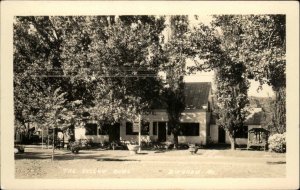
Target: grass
pixel 36 163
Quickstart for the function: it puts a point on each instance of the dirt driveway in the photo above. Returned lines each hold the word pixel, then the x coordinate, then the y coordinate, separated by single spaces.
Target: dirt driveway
pixel 36 163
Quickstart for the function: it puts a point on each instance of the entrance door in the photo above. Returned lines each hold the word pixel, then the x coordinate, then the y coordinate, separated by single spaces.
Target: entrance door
pixel 114 132
pixel 222 135
pixel 162 132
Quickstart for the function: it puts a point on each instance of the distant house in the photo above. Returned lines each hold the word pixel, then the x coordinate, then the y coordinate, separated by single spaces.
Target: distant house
pixel 253 120
pixel 197 123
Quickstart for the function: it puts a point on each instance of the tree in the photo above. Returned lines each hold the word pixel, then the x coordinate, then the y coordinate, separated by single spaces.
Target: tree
pixel 140 49
pixel 37 64
pixel 255 42
pixel 232 99
pixel 267 104
pixel 124 62
pixel 259 42
pixel 110 63
pixel 175 53
pixel 210 52
pixel 56 112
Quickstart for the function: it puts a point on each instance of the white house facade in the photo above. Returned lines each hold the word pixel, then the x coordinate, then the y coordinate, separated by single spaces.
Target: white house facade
pixel 197 125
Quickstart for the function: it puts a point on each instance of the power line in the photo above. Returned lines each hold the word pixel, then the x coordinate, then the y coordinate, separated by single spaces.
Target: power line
pixel 106 76
pixel 101 76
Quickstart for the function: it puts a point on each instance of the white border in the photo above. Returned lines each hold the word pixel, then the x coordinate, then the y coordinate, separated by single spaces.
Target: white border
pixel 12 8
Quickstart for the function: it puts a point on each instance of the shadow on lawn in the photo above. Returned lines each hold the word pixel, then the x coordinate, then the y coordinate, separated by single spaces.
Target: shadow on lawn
pixel 279 162
pixel 227 147
pixel 141 153
pixel 58 156
pixel 115 159
pixel 32 155
pixel 217 147
pixel 160 151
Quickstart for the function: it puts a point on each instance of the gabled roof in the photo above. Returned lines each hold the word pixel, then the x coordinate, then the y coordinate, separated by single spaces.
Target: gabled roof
pixel 195 95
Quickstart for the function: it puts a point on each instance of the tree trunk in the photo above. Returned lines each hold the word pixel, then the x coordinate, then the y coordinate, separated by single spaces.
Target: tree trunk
pixel 175 140
pixel 42 138
pixel 232 142
pixel 173 127
pixel 53 144
pixel 279 116
pixel 27 132
pixel 47 137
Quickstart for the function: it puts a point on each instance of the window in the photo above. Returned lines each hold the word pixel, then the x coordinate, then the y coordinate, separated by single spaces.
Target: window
pixel 155 124
pixel 90 129
pixel 103 130
pixel 241 132
pixel 189 129
pixel 129 129
pixel 145 128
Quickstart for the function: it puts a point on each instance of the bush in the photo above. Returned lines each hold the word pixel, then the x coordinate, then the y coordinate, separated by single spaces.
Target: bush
pixel 277 143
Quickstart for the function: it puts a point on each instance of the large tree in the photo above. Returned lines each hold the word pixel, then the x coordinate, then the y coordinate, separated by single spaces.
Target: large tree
pixel 259 42
pixel 242 48
pixel 174 66
pixel 35 56
pixel 232 99
pixel 210 53
pixel 110 63
pixel 122 59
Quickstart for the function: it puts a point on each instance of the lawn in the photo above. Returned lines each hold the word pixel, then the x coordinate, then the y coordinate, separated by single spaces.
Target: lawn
pixel 215 163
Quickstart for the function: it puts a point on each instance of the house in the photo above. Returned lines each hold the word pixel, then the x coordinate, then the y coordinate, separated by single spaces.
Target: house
pixel 197 124
pixel 253 120
pixel 194 121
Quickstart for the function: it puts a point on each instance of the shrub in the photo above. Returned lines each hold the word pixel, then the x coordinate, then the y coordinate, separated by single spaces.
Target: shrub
pixel 277 143
pixel 183 146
